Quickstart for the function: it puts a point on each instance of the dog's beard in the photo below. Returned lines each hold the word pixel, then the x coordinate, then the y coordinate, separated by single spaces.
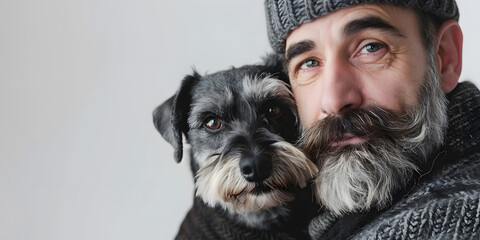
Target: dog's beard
pixel 365 175
pixel 221 183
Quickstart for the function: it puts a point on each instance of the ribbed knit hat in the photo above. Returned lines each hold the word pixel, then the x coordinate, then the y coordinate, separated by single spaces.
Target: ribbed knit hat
pixel 283 16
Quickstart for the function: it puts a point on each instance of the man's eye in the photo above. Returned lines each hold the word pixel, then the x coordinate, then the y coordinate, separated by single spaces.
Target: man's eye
pixel 310 63
pixel 371 48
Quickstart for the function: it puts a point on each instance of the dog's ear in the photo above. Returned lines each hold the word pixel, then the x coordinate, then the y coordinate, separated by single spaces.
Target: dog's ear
pixel 162 119
pixel 171 118
pixel 275 64
pixel 273 60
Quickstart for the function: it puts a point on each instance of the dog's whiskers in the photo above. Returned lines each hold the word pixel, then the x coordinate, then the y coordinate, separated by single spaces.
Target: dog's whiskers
pixel 274 186
pixel 234 195
pixel 217 157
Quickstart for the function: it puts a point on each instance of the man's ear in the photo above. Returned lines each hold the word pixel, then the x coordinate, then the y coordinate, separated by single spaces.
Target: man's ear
pixel 171 118
pixel 448 54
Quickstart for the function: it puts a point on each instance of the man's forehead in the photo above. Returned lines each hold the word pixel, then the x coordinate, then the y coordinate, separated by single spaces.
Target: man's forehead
pixel 336 23
pixel 344 23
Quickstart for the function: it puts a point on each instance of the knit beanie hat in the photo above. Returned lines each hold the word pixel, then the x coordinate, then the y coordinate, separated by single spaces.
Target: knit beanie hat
pixel 283 16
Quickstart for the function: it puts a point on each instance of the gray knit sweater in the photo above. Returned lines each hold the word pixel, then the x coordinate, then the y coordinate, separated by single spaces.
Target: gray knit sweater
pixel 444 203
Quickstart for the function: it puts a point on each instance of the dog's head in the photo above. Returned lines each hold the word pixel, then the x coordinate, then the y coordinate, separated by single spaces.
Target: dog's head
pixel 240 124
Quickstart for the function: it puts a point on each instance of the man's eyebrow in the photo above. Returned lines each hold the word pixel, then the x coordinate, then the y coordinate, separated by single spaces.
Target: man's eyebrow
pixel 355 26
pixel 371 22
pixel 297 49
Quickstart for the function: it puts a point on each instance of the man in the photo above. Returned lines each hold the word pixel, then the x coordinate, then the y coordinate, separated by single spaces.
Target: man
pixel 395 136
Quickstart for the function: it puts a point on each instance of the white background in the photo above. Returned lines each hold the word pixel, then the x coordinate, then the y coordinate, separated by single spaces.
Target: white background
pixel 80 158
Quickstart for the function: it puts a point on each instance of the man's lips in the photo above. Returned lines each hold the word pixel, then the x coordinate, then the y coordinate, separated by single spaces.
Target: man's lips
pixel 348 139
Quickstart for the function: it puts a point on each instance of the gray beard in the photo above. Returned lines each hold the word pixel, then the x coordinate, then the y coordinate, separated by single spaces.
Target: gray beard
pixel 358 177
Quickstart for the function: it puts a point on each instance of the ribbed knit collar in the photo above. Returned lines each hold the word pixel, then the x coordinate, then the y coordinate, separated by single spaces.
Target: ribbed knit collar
pixel 463 134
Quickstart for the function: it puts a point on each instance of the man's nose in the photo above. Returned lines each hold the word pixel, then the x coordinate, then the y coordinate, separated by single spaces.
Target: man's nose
pixel 342 88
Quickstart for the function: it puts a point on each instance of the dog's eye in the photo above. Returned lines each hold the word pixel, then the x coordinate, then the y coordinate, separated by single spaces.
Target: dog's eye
pixel 213 123
pixel 273 112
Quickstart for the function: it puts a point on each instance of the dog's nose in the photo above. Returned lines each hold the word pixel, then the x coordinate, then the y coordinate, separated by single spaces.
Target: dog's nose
pixel 256 168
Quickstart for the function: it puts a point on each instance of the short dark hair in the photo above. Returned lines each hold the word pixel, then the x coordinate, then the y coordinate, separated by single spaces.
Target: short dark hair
pixel 428 26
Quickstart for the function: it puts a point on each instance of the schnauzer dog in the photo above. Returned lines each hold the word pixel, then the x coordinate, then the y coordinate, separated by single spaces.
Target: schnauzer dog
pixel 240 124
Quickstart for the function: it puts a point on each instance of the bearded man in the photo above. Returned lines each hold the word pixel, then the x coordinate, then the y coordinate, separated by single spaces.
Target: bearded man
pixel 395 136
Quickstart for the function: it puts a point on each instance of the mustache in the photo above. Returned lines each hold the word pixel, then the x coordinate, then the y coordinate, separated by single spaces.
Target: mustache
pixel 371 123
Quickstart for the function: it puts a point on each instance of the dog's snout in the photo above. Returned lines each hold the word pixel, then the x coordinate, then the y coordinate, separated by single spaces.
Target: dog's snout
pixel 256 168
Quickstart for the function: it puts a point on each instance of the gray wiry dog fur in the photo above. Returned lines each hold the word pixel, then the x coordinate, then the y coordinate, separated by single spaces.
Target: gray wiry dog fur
pixel 240 124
